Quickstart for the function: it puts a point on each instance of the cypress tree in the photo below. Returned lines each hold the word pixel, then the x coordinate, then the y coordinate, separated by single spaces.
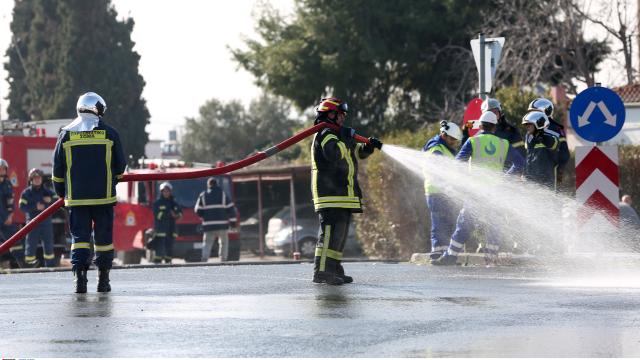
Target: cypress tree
pixel 61 49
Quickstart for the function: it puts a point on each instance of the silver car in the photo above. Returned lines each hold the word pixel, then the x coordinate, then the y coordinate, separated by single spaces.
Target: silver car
pixel 279 233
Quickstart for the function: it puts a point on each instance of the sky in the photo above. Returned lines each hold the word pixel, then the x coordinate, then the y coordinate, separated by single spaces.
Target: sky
pixel 195 34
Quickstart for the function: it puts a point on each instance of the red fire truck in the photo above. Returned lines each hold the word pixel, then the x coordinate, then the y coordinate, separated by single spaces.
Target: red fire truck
pixel 134 214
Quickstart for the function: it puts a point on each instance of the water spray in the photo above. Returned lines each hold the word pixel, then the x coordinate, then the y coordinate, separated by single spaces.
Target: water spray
pixel 541 221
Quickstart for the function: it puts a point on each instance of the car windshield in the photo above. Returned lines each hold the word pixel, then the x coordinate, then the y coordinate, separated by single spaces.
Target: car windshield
pixel 186 192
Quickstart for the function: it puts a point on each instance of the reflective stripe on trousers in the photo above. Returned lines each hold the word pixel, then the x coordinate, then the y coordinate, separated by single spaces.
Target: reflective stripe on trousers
pixel 334 228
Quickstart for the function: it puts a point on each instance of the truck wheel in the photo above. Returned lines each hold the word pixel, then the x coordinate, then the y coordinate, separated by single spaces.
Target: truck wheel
pixel 193 256
pixel 307 247
pixel 234 251
pixel 130 257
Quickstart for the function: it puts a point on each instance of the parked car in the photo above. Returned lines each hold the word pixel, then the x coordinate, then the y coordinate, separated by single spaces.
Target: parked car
pixel 279 233
pixel 249 228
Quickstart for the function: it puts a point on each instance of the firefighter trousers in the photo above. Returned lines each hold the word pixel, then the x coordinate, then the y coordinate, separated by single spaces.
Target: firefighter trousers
pixel 163 248
pixel 443 222
pixel 83 220
pixel 334 227
pixel 42 233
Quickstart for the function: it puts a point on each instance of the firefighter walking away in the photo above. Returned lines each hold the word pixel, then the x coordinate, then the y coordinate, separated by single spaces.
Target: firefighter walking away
pixel 87 162
pixel 334 186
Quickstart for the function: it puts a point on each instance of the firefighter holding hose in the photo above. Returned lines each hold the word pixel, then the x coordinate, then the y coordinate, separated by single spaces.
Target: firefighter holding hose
pixel 88 161
pixel 335 189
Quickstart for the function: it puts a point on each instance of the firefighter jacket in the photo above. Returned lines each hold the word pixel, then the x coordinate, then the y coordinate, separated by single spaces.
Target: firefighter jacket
pixel 216 209
pixel 435 146
pixel 542 158
pixel 87 165
pixel 334 171
pixel 30 198
pixel 489 151
pixel 558 131
pixel 6 200
pixel 164 222
pixel 506 131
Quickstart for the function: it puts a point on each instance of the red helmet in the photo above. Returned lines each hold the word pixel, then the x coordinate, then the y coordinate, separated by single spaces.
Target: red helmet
pixel 332 104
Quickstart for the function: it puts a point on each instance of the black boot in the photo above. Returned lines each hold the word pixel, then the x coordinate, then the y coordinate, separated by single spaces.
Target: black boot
pixel 80 279
pixel 103 280
pixel 340 272
pixel 323 277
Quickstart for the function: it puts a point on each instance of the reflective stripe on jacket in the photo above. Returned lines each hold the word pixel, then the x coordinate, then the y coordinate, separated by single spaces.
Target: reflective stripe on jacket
pixel 216 209
pixel 435 146
pixel 163 221
pixel 334 172
pixel 86 165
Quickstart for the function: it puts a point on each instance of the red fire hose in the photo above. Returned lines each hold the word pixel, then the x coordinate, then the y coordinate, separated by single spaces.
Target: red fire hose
pixel 182 175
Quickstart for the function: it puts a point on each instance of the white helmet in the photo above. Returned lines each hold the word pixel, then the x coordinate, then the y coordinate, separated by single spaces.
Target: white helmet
pixel 166 184
pixel 4 163
pixel 490 104
pixel 451 129
pixel 91 103
pixel 542 104
pixel 488 117
pixel 537 118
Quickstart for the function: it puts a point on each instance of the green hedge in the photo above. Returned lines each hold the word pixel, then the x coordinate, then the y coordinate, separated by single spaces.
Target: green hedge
pixel 395 220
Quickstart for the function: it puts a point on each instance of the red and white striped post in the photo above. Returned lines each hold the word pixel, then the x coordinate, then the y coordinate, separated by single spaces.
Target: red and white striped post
pixel 597 183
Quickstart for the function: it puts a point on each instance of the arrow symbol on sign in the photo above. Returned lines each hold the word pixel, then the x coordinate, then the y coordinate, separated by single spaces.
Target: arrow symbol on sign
pixel 584 119
pixel 609 119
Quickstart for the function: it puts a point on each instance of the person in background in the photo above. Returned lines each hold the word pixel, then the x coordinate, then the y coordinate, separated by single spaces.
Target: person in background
pixel 555 129
pixel 504 129
pixel 88 161
pixel 165 213
pixel 441 207
pixel 7 227
pixel 218 213
pixel 542 150
pixel 487 151
pixel 33 200
pixel 629 221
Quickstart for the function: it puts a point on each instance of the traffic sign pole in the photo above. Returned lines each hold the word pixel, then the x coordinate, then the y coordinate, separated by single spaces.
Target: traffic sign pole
pixel 483 95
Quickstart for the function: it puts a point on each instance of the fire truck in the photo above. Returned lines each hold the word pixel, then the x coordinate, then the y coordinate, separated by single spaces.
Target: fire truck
pixel 134 215
pixel 29 145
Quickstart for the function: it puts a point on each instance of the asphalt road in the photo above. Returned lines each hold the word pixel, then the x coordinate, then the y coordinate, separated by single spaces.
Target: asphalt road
pixel 392 310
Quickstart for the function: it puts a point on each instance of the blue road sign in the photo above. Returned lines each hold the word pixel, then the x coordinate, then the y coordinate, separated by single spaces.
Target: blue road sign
pixel 597 114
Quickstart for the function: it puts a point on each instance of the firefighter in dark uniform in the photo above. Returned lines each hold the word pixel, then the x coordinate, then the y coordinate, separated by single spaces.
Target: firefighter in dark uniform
pixel 218 213
pixel 555 129
pixel 33 200
pixel 165 213
pixel 504 130
pixel 7 227
pixel 334 186
pixel 542 150
pixel 88 161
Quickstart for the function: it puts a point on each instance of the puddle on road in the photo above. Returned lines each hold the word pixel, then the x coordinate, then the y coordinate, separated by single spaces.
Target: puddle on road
pixel 464 301
pixel 73 341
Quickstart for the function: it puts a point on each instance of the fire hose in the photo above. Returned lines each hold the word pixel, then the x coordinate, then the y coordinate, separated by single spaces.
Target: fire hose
pixel 192 174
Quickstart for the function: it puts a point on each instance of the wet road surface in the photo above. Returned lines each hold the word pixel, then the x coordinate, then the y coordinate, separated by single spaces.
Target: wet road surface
pixel 392 310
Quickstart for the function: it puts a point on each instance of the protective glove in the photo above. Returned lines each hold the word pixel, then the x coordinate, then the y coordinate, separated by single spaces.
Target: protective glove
pixel 375 143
